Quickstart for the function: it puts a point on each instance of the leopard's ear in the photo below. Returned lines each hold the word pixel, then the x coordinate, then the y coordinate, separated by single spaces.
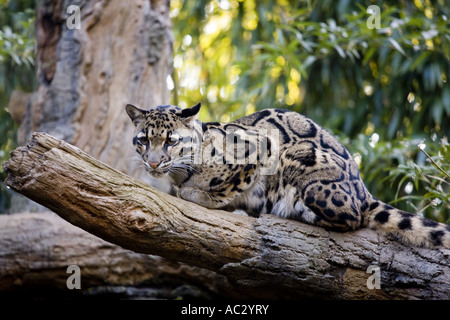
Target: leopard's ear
pixel 136 115
pixel 189 114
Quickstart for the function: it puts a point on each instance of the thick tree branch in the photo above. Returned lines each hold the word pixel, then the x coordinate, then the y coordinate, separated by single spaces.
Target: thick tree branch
pixel 265 257
pixel 37 248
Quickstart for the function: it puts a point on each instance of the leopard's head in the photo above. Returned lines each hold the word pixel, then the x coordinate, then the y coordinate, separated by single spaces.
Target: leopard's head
pixel 162 136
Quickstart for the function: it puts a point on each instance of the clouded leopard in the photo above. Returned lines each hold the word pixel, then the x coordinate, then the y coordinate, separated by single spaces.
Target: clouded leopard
pixel 270 162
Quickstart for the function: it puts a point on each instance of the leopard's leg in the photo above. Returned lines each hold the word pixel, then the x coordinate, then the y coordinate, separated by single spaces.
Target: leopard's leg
pixel 204 198
pixel 213 199
pixel 243 190
pixel 316 215
pixel 292 206
pixel 333 207
pixel 320 188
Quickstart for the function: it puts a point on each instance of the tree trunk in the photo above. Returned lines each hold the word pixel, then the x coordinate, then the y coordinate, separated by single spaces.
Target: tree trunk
pixel 268 257
pixel 122 53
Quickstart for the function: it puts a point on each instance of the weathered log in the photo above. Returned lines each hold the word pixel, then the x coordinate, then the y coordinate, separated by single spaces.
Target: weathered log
pixel 36 250
pixel 266 257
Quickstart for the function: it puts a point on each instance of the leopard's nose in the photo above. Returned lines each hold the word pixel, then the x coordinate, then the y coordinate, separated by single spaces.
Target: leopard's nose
pixel 154 165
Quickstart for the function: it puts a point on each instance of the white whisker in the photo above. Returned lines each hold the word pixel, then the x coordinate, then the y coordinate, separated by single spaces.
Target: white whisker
pixel 185 167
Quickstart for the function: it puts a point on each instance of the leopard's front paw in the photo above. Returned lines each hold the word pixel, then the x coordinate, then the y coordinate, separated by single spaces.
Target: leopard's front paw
pixel 198 196
pixel 186 193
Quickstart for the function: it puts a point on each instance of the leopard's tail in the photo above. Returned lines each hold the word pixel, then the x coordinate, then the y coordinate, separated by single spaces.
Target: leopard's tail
pixel 407 227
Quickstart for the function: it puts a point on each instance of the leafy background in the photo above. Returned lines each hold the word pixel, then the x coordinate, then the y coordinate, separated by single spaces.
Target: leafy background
pixel 17 72
pixel 383 91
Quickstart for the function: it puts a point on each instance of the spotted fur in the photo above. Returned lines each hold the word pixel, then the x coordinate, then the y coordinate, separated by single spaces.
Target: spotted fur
pixel 315 180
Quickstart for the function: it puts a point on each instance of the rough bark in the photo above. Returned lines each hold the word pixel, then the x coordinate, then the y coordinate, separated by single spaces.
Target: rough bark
pixel 121 54
pixel 37 248
pixel 267 257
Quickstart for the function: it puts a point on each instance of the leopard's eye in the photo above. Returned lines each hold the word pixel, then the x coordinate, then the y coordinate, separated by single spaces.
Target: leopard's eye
pixel 172 140
pixel 143 140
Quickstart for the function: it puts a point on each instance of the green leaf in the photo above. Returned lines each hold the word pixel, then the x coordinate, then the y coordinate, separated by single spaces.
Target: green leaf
pixel 397 46
pixel 437 111
pixel 340 51
pixel 368 54
pixel 418 63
